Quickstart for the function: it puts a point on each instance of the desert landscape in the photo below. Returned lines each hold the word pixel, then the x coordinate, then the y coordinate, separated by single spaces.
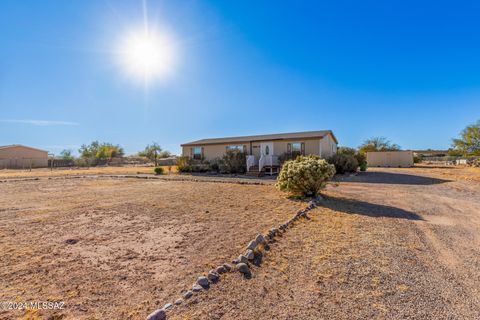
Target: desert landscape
pixel 386 243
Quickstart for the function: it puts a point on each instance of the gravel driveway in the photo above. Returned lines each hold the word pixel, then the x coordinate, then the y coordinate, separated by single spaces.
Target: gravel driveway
pixel 386 244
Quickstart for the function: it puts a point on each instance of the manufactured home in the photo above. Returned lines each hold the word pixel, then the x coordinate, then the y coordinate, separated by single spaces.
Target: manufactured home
pixel 263 151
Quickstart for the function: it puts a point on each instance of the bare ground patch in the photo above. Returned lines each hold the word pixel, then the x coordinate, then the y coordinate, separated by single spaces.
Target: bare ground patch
pixel 118 248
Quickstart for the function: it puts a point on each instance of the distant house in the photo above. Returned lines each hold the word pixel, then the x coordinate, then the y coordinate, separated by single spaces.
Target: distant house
pixel 21 157
pixel 392 159
pixel 263 151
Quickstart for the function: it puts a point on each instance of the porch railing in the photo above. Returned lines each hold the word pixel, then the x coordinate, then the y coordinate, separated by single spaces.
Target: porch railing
pixel 250 162
pixel 267 161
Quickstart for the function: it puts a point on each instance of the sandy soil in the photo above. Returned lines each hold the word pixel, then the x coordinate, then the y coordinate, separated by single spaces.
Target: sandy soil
pixel 116 248
pixel 386 244
pixel 61 172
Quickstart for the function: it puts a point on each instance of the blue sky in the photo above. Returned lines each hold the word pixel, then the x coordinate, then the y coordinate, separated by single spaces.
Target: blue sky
pixel 406 70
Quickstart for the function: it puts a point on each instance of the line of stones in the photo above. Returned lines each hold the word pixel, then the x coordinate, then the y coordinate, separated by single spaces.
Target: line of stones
pixel 96 176
pixel 240 264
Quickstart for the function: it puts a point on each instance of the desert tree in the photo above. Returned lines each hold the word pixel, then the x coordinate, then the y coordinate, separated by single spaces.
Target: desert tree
pixel 468 144
pixel 66 154
pixel 152 152
pixel 378 144
pixel 100 151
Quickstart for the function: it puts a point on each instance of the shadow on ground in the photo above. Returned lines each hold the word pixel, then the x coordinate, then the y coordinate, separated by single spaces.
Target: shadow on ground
pixel 390 178
pixel 367 209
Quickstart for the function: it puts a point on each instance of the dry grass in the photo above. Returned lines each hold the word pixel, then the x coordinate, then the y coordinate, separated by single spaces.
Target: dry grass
pixel 9 173
pixel 139 242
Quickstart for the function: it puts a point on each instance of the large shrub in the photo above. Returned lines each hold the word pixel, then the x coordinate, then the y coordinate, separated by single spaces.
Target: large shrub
pixel 234 161
pixel 305 176
pixel 158 170
pixel 360 156
pixel 344 162
pixel 183 164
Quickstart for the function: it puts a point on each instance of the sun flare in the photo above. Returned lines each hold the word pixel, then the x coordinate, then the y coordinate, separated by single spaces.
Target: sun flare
pixel 147 54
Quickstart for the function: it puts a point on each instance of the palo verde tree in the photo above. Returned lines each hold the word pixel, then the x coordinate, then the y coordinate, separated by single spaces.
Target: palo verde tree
pixel 100 151
pixel 152 152
pixel 468 144
pixel 378 144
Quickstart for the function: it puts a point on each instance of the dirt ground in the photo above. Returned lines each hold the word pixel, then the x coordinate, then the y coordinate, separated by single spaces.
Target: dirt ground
pixel 116 248
pixel 74 171
pixel 386 244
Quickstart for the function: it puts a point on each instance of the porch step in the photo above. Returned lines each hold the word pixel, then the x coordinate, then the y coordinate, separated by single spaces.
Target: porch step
pixel 255 173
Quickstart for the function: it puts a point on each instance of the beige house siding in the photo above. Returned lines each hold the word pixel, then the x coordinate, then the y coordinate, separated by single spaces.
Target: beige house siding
pixel 328 147
pixel 213 151
pixel 312 146
pixel 18 157
pixel 390 159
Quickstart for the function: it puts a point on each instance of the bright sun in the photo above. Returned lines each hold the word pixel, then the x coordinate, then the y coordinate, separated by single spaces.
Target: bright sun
pixel 147 54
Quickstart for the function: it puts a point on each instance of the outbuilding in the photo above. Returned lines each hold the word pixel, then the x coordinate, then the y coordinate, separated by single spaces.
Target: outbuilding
pixel 397 159
pixel 22 157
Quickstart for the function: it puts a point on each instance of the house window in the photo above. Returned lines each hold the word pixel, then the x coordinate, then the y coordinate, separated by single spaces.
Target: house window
pixel 296 149
pixel 197 153
pixel 235 147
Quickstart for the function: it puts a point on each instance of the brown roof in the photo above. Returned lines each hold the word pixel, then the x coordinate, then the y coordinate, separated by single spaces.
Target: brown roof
pixel 265 137
pixel 20 145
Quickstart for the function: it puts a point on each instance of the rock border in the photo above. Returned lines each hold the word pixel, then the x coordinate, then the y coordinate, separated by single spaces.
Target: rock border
pixel 241 264
pixel 145 177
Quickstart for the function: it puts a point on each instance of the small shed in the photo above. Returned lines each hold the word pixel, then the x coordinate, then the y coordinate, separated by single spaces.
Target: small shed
pixel 397 159
pixel 22 157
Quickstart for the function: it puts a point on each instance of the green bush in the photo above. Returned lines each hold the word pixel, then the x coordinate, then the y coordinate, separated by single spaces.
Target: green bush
pixel 305 176
pixel 361 157
pixel 417 158
pixel 344 162
pixel 158 170
pixel 362 161
pixel 234 161
pixel 363 166
pixel 183 164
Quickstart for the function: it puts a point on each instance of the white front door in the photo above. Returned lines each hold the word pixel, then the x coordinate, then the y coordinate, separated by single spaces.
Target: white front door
pixel 266 148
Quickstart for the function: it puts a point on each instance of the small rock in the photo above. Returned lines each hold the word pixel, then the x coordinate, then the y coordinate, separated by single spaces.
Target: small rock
pixel 220 269
pixel 213 276
pixel 235 261
pixel 203 281
pixel 159 314
pixel 242 259
pixel 168 306
pixel 252 245
pixel 249 255
pixel 188 295
pixel 319 198
pixel 178 301
pixel 71 241
pixel 243 268
pixel 312 204
pixel 197 288
pixel 260 239
pixel 228 266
